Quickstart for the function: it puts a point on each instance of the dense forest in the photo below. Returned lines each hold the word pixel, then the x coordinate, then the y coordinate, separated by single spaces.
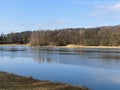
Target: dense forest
pixel 100 36
pixel 15 38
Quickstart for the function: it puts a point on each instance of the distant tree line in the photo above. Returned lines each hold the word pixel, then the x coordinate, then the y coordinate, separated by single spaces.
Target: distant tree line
pixel 15 38
pixel 100 36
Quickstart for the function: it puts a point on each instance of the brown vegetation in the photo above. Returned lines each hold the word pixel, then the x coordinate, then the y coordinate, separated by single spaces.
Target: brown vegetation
pixel 100 36
pixel 14 82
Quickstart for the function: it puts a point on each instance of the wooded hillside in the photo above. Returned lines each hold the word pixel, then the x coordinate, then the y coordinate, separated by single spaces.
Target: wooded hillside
pixel 100 36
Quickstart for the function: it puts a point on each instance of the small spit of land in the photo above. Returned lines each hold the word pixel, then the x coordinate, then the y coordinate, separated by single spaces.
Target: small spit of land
pixel 15 82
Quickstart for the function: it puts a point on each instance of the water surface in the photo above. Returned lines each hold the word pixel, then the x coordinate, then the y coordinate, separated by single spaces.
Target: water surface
pixel 98 69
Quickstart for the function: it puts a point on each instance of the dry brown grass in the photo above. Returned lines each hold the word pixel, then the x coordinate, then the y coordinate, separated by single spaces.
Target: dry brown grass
pixel 81 46
pixel 14 82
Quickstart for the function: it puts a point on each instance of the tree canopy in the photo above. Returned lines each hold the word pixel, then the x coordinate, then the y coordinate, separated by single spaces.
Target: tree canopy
pixel 100 36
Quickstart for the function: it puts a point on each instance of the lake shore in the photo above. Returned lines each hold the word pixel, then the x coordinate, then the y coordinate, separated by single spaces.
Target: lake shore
pixel 67 46
pixel 13 44
pixel 14 82
pixel 80 46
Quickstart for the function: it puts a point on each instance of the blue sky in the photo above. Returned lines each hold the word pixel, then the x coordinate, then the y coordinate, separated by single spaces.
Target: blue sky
pixel 22 15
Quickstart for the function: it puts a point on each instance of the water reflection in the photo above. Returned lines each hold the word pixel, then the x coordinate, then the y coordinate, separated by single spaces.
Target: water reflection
pixel 96 68
pixel 43 58
pixel 11 48
pixel 84 57
pixel 99 58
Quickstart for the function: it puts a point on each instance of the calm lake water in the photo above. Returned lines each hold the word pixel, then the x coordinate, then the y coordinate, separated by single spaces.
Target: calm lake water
pixel 98 69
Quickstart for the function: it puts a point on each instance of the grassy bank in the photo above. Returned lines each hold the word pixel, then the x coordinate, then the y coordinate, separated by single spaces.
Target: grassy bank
pixel 15 82
pixel 67 46
pixel 81 46
pixel 13 45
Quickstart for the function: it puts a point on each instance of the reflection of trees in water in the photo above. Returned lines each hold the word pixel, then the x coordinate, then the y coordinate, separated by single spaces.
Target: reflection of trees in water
pixel 43 57
pixel 12 51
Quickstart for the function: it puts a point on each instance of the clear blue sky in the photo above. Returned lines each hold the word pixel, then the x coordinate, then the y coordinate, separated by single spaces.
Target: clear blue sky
pixel 22 15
